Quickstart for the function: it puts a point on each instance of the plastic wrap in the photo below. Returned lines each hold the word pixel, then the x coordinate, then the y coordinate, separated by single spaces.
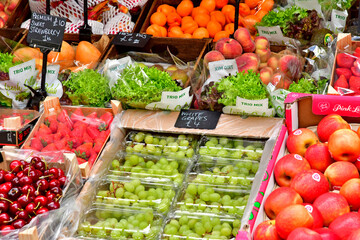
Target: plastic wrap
pixel 47 224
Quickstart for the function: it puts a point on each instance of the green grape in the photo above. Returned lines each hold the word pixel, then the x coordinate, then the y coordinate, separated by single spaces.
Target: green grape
pixel 205 196
pixel 183 220
pixel 115 164
pixel 223 141
pixel 151 149
pixel 156 141
pixel 138 148
pixel 226 232
pixel 180 154
pixel 139 189
pixel 162 142
pixel 148 139
pixel 170 229
pixel 149 164
pixel 201 189
pixel 138 236
pixel 170 139
pixel 192 189
pixel 174 147
pixel 190 152
pixel 119 193
pixel 129 149
pixel 181 137
pixel 222 153
pixel 139 137
pixel 184 143
pixel 199 229
pixel 203 151
pixel 133 160
pixel 129 187
pixel 214 197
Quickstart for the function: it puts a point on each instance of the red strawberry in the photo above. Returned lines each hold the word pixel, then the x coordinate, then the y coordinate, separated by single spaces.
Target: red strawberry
pixel 357 50
pixel 104 135
pixel 53 126
pixel 107 118
pixel 49 148
pixel 36 144
pixel 81 161
pixel 77 115
pixel 78 132
pixel 64 129
pixel 345 60
pixel 47 139
pixel 62 144
pixel 354 83
pixel 356 54
pixel 57 136
pixel 75 142
pixel 87 138
pixel 344 71
pixel 92 158
pixel 84 150
pixel 80 124
pixel 50 118
pixel 93 132
pixel 43 129
pixel 98 145
pixel 355 71
pixel 341 82
pixel 64 118
pixel 92 115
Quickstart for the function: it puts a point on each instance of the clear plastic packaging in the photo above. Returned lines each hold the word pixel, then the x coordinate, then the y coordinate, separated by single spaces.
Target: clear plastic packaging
pixel 200 226
pixel 135 193
pixel 224 149
pixel 206 198
pixel 111 223
pixel 174 146
pixel 149 168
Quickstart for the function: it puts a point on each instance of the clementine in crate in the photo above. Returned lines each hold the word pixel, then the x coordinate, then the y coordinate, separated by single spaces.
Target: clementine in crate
pixel 260 14
pixel 244 9
pixel 158 18
pixel 156 31
pixel 220 35
pixel 250 21
pixel 202 19
pixel 201 33
pixel 229 28
pixel 213 27
pixel 252 3
pixel 173 19
pixel 185 8
pixel 266 5
pixel 189 27
pixel 208 5
pixel 187 35
pixel 175 32
pixel 228 9
pixel 166 9
pixel 186 20
pixel 199 10
pixel 218 17
pixel 221 3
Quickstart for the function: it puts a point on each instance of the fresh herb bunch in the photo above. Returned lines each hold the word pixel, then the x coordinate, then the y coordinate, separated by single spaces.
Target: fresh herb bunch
pixel 305 85
pixel 89 88
pixel 138 86
pixel 6 62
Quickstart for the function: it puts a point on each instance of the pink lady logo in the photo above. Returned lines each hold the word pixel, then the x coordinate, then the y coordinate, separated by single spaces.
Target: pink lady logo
pixel 316 177
pixel 324 106
pixel 309 208
pixel 298 157
pixel 297 132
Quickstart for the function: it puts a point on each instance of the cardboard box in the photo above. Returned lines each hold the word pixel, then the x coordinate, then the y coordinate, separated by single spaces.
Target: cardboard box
pixel 14 133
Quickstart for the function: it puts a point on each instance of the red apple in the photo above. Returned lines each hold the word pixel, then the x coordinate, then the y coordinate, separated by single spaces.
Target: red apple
pixel 279 199
pixel 331 205
pixel 340 172
pixel 304 234
pixel 318 219
pixel 266 231
pixel 345 224
pixel 357 163
pixel 355 235
pixel 310 184
pixel 300 139
pixel 344 145
pixel 327 234
pixel 292 217
pixel 351 192
pixel 318 156
pixel 287 167
pixel 4 16
pixel 329 124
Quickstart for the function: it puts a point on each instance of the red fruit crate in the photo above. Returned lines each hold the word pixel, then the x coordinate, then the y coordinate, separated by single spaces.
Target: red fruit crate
pixel 69 137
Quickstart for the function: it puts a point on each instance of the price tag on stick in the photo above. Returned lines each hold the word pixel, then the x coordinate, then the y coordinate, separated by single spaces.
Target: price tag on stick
pixel 198 119
pixel 131 39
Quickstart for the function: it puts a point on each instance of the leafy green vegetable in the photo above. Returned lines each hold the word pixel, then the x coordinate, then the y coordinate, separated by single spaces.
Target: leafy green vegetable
pixel 6 62
pixel 89 88
pixel 245 85
pixel 305 85
pixel 139 86
pixel 337 4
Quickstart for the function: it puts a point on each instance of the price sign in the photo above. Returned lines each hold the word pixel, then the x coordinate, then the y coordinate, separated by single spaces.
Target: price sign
pixel 46 31
pixel 198 119
pixel 131 39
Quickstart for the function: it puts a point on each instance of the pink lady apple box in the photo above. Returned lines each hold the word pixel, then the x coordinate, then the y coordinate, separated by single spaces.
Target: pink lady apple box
pixel 301 111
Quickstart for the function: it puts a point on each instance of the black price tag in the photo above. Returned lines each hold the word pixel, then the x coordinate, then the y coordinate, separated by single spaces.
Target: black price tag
pixel 131 39
pixel 46 31
pixel 198 119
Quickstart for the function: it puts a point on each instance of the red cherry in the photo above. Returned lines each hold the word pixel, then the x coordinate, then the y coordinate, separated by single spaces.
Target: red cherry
pixel 4 206
pixel 24 200
pixel 22 215
pixel 61 172
pixel 34 175
pixel 41 201
pixel 6 229
pixel 3 195
pixel 27 169
pixel 23 162
pixel 30 208
pixel 40 166
pixel 14 207
pixel 5 187
pixel 53 205
pixel 2 174
pixel 56 190
pixel 42 210
pixel 54 172
pixel 15 166
pixel 51 197
pixel 54 183
pixel 4 218
pixel 42 184
pixel 19 223
pixel 20 174
pixel 9 177
pixel 62 180
pixel 28 189
pixel 16 181
pixel 25 180
pixel 35 160
pixel 14 193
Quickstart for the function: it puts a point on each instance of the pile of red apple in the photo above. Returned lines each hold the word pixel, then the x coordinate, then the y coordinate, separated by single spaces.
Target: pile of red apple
pixel 319 187
pixel 348 71
pixel 27 190
pixel 281 69
pixel 6 10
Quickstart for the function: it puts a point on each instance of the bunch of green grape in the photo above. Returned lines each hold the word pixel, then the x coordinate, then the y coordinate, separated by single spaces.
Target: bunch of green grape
pixel 201 227
pixel 116 225
pixel 140 167
pixel 149 144
pixel 207 199
pixel 230 148
pixel 134 193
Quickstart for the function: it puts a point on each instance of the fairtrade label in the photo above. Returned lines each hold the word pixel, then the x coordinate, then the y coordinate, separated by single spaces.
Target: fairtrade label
pixel 221 69
pixel 338 20
pixel 297 132
pixel 316 177
pixel 174 101
pixel 250 107
pixel 298 157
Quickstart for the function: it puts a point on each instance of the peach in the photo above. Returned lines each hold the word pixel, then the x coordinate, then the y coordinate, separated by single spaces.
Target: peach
pixel 340 172
pixel 291 66
pixel 273 62
pixel 242 35
pixel 262 65
pixel 26 53
pixel 248 61
pixel 213 56
pixel 329 124
pixel 351 191
pixel 230 48
pixel 300 139
pixel 261 42
pixel 266 231
pixel 264 54
pixel 344 225
pixel 344 145
pixel 266 74
pixel 280 81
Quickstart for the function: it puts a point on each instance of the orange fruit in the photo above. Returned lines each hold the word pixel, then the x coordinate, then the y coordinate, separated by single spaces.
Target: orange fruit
pixel 199 10
pixel 227 9
pixel 65 58
pixel 166 9
pixel 230 17
pixel 219 4
pixel 186 19
pixel 201 33
pixel 213 27
pixel 158 18
pixel 87 54
pixel 229 28
pixel 218 17
pixel 185 8
pixel 189 27
pixel 244 9
pixel 220 35
pixel 208 5
pixel 156 31
pixel 253 11
pixel 266 5
pixel 260 14
pixel 173 19
pixel 202 19
pixel 175 32
pixel 252 3
pixel 187 35
pixel 250 21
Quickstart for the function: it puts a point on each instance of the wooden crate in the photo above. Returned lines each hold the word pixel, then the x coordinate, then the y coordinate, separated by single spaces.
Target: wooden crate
pixel 52 106
pixel 21 11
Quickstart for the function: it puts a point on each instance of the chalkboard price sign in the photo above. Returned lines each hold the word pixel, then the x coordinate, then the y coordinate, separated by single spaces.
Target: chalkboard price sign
pixel 131 39
pixel 46 31
pixel 198 119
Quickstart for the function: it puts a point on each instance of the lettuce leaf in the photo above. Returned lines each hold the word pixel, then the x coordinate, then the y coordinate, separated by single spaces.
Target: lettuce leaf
pixel 6 62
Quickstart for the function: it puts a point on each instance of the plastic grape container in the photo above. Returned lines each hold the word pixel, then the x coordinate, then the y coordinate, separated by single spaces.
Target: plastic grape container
pixel 170 145
pixel 135 193
pixel 200 226
pixel 205 198
pixel 224 149
pixel 112 223
pixel 149 168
